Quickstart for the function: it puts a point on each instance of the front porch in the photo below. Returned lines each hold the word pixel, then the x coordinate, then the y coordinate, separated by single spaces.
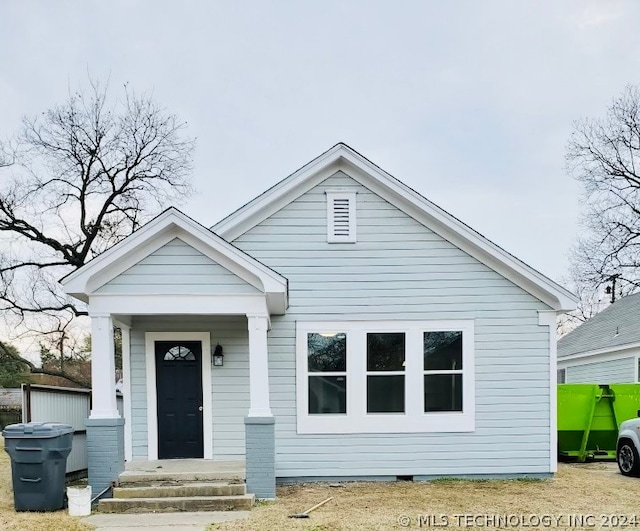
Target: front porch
pixel 178 292
pixel 167 470
pixel 217 419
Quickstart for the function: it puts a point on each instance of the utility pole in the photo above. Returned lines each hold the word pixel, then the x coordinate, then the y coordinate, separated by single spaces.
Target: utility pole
pixel 611 290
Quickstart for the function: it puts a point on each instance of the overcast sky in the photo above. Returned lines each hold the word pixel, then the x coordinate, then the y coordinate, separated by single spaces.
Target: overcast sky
pixel 468 102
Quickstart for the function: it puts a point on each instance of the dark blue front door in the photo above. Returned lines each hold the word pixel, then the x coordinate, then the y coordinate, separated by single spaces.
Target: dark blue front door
pixel 179 392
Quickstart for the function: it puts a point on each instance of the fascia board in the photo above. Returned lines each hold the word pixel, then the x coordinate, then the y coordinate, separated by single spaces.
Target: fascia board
pixel 408 200
pixel 75 283
pixel 607 351
pixel 459 234
pixel 151 237
pixel 278 196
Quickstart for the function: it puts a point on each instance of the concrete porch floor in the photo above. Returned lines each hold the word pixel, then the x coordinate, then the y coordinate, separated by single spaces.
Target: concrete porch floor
pixel 183 470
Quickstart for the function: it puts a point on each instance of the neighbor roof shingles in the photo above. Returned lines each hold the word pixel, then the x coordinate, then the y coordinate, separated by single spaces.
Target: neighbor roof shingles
pixel 599 332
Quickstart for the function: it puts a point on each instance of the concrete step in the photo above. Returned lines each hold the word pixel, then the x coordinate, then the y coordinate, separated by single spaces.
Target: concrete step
pixel 174 489
pixel 176 504
pixel 129 477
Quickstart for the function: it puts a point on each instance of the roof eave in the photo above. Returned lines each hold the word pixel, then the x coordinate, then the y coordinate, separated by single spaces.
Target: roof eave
pixel 415 205
pixel 77 283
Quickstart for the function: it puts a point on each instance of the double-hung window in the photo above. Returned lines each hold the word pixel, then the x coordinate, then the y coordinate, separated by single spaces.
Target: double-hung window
pixel 385 376
pixel 327 366
pixel 385 372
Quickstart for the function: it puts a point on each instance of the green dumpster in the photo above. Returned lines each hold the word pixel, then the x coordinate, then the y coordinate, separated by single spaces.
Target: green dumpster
pixel 589 416
pixel 627 401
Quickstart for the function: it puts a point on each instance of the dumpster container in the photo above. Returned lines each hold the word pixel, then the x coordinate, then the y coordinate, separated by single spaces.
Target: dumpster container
pixel 627 401
pixel 38 452
pixel 589 416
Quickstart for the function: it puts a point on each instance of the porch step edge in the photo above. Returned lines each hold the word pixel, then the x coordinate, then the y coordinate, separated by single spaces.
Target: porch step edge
pixel 128 477
pixel 176 504
pixel 187 489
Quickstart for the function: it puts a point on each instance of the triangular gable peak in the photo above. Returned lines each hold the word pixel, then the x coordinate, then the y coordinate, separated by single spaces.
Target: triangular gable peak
pixel 165 230
pixel 342 158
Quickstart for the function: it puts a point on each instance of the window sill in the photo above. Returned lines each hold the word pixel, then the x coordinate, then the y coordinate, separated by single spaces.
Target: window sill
pixel 387 423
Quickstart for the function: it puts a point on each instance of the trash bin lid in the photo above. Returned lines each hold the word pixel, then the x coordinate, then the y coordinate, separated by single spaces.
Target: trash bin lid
pixel 36 430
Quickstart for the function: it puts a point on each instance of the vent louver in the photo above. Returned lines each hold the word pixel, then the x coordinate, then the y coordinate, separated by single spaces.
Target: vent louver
pixel 341 217
pixel 341 211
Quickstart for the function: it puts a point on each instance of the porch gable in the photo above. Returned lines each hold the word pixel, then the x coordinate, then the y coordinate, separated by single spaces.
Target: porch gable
pixel 173 257
pixel 177 267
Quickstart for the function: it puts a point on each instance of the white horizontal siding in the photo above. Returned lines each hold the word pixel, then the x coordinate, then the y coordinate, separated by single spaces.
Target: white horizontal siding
pixel 622 370
pixel 398 269
pixel 230 383
pixel 177 268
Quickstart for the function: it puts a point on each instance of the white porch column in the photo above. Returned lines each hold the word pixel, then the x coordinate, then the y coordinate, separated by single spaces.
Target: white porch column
pixel 258 366
pixel 103 368
pixel 126 390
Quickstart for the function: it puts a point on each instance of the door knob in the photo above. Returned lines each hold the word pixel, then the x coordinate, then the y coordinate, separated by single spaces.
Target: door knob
pixel 200 408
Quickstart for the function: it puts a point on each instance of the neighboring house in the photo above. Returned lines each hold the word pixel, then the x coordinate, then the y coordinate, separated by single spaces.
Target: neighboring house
pixel 10 399
pixel 366 334
pixel 606 348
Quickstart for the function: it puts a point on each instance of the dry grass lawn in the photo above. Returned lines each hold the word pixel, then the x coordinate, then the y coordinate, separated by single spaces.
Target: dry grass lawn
pixel 587 490
pixel 10 520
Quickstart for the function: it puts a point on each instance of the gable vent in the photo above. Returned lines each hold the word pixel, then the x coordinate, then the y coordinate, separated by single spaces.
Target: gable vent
pixel 341 217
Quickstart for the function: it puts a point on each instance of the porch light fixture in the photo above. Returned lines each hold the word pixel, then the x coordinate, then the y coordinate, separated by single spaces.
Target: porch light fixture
pixel 218 357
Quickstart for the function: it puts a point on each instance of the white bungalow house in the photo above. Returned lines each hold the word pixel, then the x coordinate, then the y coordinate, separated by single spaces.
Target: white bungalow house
pixel 606 348
pixel 365 332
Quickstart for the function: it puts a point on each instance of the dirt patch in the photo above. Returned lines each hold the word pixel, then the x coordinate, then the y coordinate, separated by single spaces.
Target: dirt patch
pixel 577 498
pixel 592 496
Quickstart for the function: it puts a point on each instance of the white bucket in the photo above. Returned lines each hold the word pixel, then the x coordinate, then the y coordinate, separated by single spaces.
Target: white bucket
pixel 79 500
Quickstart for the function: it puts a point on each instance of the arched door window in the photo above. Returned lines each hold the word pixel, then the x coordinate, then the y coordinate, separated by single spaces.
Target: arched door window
pixel 179 353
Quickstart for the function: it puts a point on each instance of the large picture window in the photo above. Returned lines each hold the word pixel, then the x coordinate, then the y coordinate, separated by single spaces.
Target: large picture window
pixel 385 377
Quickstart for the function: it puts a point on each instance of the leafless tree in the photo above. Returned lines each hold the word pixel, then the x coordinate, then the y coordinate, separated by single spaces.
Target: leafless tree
pixel 604 154
pixel 75 180
pixel 593 299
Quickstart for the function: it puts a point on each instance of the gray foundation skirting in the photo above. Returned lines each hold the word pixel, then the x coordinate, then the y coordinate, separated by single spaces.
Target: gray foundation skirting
pixel 261 457
pixel 105 452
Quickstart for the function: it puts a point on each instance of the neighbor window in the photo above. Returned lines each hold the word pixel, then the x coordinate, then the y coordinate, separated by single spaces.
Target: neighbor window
pixel 562 376
pixel 385 377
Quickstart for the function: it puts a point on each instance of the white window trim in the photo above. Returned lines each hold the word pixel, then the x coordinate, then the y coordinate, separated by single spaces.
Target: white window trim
pixel 414 419
pixel 152 397
pixel 332 195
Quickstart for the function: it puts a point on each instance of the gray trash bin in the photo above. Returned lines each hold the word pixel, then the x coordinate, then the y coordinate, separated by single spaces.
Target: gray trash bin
pixel 38 452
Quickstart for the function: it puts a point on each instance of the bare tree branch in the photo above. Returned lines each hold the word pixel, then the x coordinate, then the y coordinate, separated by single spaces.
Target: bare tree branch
pixel 604 155
pixel 77 179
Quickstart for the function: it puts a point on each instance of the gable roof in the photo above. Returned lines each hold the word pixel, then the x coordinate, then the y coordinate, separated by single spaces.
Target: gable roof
pixel 362 170
pixel 167 226
pixel 617 326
